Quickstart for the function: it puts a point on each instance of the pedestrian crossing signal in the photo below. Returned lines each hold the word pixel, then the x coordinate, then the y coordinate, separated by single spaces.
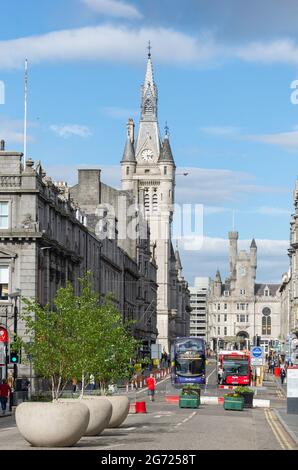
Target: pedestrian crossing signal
pixel 14 358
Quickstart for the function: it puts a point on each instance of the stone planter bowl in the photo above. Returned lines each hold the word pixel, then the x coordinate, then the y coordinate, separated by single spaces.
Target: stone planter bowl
pixel 120 410
pixel 53 424
pixel 100 414
pixel 100 410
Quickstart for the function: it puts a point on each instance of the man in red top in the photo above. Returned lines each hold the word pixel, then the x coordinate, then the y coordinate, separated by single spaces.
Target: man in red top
pixel 151 382
pixel 5 391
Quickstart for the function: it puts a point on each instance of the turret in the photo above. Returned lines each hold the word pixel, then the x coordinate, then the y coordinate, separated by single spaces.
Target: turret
pixel 128 162
pixel 253 258
pixel 217 284
pixel 233 237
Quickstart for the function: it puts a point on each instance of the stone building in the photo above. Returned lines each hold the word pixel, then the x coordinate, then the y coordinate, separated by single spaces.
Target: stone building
pixel 45 241
pixel 239 308
pixel 289 291
pixel 148 173
pixel 198 301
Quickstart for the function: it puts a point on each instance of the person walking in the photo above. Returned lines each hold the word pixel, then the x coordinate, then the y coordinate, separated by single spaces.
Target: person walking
pixel 151 383
pixel 5 391
pixel 283 373
pixel 74 385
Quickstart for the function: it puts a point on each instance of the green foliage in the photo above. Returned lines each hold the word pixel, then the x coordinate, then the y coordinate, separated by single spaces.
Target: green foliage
pixel 232 395
pixel 242 389
pixel 191 389
pixel 78 337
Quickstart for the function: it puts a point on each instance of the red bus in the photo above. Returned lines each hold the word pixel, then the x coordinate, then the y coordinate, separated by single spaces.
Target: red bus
pixel 235 366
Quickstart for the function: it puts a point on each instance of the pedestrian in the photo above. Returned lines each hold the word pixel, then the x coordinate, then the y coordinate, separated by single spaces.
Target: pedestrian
pixel 151 383
pixel 135 381
pixel 283 373
pixel 74 385
pixel 92 382
pixel 5 392
pixel 25 384
pixel 219 374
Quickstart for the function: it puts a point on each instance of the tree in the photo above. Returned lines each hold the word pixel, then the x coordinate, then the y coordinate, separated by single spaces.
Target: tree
pixel 77 337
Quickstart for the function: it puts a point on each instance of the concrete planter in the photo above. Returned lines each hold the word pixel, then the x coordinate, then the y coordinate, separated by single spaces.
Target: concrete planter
pixel 100 410
pixel 100 414
pixel 120 410
pixel 52 424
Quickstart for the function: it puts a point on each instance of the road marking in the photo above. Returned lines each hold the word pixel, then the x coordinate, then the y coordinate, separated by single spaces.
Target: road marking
pixel 7 429
pixel 115 445
pixel 186 419
pixel 207 378
pixel 279 433
pixel 127 429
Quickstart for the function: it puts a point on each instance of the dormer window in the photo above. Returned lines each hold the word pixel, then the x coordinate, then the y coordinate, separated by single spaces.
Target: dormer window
pixel 226 293
pixel 266 292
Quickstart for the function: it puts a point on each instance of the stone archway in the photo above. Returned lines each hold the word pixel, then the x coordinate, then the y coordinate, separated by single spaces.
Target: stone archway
pixel 242 336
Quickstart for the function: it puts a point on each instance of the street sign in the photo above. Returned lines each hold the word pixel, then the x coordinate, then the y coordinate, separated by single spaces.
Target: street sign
pixel 257 356
pixel 292 382
pixel 256 351
pixel 256 361
pixel 156 351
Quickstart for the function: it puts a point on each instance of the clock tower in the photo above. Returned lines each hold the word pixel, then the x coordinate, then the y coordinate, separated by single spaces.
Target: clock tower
pixel 148 169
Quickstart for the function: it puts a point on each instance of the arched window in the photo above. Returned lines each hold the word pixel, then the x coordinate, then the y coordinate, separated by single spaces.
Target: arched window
pixel 266 321
pixel 127 170
pixel 147 201
pixel 154 202
pixel 148 108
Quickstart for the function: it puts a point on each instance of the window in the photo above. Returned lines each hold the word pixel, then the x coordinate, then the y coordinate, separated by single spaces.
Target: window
pixel 266 292
pixel 3 215
pixel 226 293
pixel 226 317
pixel 242 291
pixel 165 170
pixel 266 321
pixel 218 306
pixel 127 170
pixel 147 202
pixel 218 330
pixel 241 318
pixel 218 318
pixel 147 171
pixel 225 306
pixel 4 276
pixel 225 331
pixel 154 202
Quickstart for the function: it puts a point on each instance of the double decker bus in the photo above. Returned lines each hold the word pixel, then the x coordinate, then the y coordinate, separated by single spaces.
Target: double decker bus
pixel 235 366
pixel 189 354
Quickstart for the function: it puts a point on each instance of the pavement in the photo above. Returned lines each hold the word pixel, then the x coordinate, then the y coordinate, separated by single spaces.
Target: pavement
pixel 165 426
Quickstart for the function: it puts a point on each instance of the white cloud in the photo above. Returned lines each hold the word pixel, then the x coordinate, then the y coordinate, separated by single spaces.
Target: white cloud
pixel 277 51
pixel 113 8
pixel 105 42
pixel 116 112
pixel 273 211
pixel 208 186
pixel 287 140
pixel 71 130
pixel 12 131
pixel 213 254
pixel 118 43
pixel 221 131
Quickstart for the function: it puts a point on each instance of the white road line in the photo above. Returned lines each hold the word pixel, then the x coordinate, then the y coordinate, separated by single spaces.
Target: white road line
pixel 115 445
pixel 127 429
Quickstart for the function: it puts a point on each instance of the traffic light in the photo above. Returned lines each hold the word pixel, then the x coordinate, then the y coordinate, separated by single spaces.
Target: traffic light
pixel 14 358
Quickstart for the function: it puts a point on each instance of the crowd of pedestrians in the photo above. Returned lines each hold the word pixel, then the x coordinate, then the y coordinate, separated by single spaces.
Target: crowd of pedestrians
pixel 278 361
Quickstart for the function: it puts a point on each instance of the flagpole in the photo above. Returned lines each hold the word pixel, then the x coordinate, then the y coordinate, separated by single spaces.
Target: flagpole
pixel 25 112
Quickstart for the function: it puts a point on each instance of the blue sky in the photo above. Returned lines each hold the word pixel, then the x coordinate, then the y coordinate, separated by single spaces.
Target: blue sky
pixel 223 71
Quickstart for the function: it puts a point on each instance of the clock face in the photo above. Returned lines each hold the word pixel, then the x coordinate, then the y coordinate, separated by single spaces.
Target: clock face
pixel 147 155
pixel 242 270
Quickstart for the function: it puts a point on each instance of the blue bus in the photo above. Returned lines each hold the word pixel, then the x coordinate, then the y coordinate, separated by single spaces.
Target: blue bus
pixel 189 361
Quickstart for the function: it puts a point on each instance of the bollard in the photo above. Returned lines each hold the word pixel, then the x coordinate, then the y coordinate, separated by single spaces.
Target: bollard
pixel 131 385
pixel 126 388
pixel 141 384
